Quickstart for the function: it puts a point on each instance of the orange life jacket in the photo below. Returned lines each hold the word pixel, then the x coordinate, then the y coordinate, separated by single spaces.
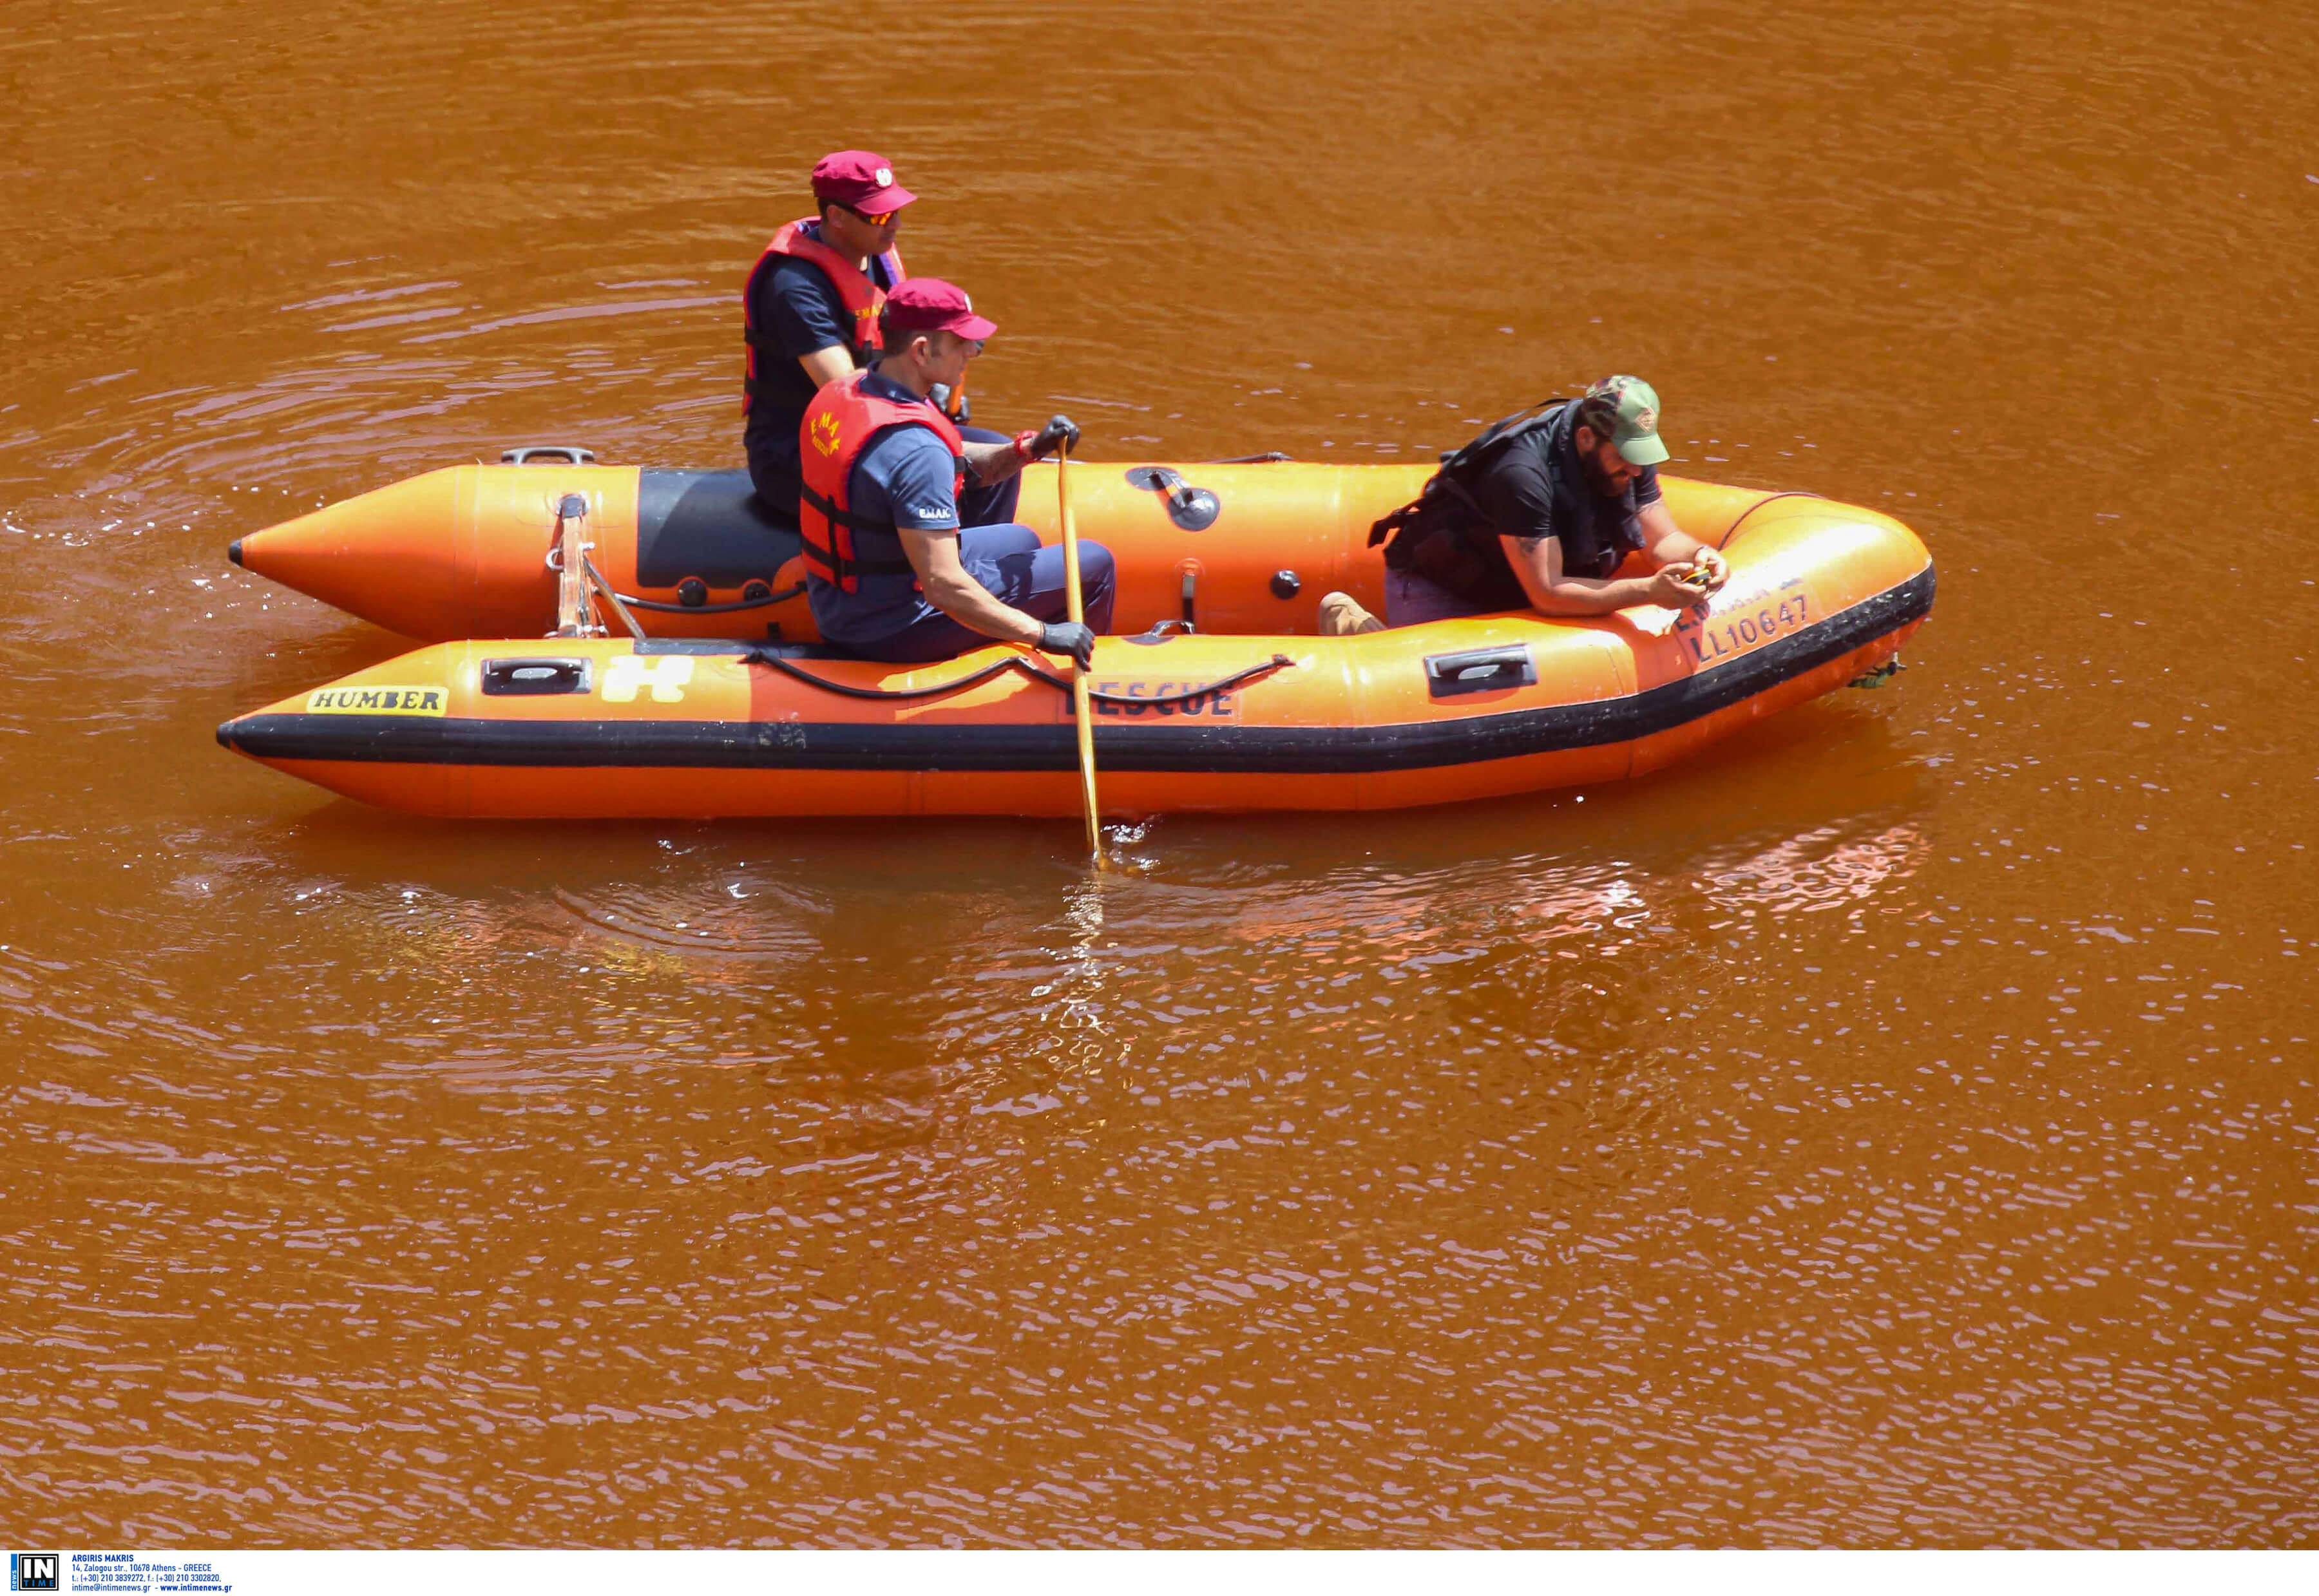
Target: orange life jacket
pixel 841 421
pixel 861 297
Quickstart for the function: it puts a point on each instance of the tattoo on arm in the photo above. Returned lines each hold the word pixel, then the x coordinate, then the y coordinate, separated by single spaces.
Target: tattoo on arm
pixel 992 463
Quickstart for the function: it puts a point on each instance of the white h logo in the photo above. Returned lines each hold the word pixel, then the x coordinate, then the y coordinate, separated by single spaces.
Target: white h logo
pixel 666 676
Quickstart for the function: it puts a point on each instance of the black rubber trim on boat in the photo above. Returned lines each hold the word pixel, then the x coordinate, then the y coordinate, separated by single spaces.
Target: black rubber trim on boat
pixel 1174 743
pixel 1017 662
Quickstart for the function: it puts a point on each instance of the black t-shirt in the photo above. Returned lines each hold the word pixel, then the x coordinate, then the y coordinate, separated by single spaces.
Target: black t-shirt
pixel 796 311
pixel 1539 487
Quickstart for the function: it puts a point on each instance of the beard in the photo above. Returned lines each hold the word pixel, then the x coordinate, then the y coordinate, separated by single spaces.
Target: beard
pixel 1600 479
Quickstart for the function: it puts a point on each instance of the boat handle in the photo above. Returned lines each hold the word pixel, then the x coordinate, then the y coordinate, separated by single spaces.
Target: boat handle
pixel 1479 671
pixel 529 679
pixel 1165 628
pixel 569 454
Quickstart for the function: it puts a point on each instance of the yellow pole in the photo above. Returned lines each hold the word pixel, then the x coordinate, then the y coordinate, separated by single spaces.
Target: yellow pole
pixel 1082 708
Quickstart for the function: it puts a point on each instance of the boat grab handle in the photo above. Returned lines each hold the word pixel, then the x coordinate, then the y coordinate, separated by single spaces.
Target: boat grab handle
pixel 1479 671
pixel 757 656
pixel 569 454
pixel 534 678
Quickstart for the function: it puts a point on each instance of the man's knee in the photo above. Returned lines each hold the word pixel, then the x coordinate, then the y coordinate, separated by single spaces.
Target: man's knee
pixel 988 504
pixel 1009 540
pixel 1096 572
pixel 1096 568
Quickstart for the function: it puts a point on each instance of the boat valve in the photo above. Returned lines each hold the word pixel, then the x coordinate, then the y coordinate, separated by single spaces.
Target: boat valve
pixel 1194 509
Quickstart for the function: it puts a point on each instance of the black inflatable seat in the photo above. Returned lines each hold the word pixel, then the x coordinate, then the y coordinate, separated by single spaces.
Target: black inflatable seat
pixel 711 524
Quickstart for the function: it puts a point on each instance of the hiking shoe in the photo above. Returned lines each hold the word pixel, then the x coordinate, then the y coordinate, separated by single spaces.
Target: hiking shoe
pixel 1342 617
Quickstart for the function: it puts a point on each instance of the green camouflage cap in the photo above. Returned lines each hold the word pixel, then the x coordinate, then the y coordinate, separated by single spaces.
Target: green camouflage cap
pixel 1637 405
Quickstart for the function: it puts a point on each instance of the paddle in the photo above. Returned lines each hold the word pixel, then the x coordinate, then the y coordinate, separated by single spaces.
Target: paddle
pixel 1081 708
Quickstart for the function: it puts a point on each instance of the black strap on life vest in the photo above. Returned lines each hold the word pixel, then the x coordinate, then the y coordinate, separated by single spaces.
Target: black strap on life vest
pixel 861 567
pixel 841 564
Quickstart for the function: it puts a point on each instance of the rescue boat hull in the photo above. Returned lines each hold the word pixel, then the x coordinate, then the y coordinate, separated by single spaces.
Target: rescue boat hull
pixel 537 727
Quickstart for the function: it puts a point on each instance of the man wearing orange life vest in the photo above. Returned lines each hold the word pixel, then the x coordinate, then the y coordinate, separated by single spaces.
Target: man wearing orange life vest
pixel 809 317
pixel 893 570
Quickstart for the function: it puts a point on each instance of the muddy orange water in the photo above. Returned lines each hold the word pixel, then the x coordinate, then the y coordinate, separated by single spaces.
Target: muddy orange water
pixel 1900 1126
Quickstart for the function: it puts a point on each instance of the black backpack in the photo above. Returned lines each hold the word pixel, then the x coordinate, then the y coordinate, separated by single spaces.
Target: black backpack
pixel 1447 498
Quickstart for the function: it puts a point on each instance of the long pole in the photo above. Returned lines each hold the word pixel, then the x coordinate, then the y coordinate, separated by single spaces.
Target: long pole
pixel 1082 708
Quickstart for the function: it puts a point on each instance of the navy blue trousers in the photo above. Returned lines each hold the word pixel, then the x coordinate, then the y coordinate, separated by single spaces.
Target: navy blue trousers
pixel 992 505
pixel 1010 561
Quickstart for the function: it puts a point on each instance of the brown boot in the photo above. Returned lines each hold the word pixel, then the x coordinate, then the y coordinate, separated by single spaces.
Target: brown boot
pixel 1342 617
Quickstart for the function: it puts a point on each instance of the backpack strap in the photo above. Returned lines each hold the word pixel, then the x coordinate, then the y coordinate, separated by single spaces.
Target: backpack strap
pixel 1448 482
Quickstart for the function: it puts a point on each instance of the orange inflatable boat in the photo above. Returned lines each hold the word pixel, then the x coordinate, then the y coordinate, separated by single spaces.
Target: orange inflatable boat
pixel 715 706
pixel 1241 546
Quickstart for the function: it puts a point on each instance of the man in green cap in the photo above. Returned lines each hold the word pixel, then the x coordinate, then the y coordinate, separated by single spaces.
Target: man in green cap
pixel 1539 512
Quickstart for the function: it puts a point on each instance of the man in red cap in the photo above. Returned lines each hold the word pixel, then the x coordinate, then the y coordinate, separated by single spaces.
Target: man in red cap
pixel 809 316
pixel 809 309
pixel 894 569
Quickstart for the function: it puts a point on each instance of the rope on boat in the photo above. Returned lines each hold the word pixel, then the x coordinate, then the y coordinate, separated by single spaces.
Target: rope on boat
pixel 1014 663
pixel 1751 510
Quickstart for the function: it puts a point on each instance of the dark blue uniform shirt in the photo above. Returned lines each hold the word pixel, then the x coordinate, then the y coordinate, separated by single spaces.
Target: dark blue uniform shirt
pixel 796 311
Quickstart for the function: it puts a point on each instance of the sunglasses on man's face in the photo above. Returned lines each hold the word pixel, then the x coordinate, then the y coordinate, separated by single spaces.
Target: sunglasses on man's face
pixel 866 219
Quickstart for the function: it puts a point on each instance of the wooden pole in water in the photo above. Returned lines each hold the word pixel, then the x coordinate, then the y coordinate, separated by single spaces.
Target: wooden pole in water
pixel 1082 708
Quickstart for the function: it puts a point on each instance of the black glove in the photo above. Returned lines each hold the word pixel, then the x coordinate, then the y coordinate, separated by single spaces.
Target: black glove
pixel 1070 638
pixel 1053 435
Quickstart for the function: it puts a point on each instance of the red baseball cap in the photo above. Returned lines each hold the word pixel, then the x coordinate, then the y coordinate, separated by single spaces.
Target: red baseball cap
pixel 861 180
pixel 929 304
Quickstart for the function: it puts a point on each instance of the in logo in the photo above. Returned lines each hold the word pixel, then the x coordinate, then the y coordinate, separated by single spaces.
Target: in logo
pixel 34 1570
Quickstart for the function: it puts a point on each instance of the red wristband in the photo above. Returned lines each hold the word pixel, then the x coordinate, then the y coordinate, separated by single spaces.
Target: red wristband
pixel 1022 442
